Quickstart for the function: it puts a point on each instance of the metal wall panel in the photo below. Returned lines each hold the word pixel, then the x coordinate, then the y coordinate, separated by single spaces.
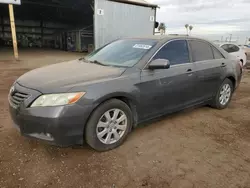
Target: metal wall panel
pixel 115 20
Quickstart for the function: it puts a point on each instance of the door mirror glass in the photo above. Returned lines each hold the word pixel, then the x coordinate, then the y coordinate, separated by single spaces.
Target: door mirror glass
pixel 159 64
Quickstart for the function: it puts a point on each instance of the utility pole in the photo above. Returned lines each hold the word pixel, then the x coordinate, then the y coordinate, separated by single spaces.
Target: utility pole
pixel 13 31
pixel 2 24
pixel 230 38
pixel 221 38
pixel 42 32
pixel 246 40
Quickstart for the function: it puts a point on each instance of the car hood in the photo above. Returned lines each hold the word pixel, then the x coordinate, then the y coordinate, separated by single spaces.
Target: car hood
pixel 62 77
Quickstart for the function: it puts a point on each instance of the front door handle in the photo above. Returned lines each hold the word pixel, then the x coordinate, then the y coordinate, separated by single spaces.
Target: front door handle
pixel 189 70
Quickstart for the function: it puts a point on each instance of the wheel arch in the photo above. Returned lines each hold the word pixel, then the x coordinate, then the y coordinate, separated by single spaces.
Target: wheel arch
pixel 124 97
pixel 232 79
pixel 132 106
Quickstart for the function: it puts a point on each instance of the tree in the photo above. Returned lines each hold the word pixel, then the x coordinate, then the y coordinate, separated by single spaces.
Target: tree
pixel 191 28
pixel 187 26
pixel 162 28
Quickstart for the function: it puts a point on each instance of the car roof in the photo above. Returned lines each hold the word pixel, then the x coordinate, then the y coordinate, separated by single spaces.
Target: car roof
pixel 228 43
pixel 159 37
pixel 167 37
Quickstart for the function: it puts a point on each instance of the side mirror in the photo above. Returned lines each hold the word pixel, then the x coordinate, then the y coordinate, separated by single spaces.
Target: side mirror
pixel 159 64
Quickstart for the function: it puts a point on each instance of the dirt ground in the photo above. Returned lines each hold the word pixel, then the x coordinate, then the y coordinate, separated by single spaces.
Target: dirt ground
pixel 196 148
pixel 34 58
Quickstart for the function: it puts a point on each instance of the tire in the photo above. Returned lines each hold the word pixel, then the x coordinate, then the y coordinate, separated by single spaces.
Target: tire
pixel 99 117
pixel 216 102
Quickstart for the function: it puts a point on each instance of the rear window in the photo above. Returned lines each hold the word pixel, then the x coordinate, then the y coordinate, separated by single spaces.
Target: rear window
pixel 122 53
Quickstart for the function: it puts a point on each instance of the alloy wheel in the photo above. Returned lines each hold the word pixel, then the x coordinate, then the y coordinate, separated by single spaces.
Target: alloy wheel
pixel 225 94
pixel 111 126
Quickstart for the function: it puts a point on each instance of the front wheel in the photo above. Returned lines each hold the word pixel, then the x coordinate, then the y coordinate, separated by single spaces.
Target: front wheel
pixel 224 95
pixel 109 125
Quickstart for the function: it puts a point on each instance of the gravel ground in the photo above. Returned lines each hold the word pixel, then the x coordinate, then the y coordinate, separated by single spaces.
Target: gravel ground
pixel 200 147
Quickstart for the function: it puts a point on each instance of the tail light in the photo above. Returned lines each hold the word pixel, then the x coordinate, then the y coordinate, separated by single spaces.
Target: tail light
pixel 240 65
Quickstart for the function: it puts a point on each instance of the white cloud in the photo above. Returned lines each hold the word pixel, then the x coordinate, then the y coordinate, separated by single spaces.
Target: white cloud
pixel 209 17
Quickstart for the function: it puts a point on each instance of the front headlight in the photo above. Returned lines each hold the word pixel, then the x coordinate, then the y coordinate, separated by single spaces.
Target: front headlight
pixel 57 99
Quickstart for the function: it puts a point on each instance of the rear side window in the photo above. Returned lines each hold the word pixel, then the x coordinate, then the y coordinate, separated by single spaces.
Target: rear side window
pixel 217 54
pixel 230 48
pixel 201 51
pixel 225 47
pixel 175 51
pixel 234 48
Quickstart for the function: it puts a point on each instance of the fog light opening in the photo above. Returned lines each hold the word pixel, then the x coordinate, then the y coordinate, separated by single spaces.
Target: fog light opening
pixel 49 135
pixel 42 136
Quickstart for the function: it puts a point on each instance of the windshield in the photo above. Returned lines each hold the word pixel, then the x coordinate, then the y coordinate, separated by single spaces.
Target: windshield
pixel 122 53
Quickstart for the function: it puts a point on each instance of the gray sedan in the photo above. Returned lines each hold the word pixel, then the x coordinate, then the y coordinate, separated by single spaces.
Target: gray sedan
pixel 104 96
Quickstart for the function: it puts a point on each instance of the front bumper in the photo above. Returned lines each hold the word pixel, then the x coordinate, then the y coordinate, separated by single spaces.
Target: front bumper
pixel 61 126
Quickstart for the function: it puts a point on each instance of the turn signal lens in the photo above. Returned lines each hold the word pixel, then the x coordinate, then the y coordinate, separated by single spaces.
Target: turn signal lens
pixel 76 98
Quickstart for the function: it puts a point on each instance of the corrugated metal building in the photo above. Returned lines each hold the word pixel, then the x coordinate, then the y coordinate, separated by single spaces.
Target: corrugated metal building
pixel 77 25
pixel 122 18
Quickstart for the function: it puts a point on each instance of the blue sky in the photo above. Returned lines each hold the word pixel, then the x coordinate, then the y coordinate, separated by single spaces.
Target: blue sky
pixel 210 18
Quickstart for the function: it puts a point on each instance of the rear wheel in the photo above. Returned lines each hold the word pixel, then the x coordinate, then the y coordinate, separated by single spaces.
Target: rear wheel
pixel 109 125
pixel 224 95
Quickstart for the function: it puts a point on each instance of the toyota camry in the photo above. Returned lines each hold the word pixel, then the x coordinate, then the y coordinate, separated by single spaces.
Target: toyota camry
pixel 101 98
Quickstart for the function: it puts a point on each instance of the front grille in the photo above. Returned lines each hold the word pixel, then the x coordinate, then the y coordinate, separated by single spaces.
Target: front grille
pixel 17 98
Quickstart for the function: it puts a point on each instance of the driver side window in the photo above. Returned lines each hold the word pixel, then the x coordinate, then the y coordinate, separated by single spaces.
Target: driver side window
pixel 175 51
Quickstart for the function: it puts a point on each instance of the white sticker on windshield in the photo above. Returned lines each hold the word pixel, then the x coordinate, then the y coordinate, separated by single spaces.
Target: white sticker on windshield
pixel 142 46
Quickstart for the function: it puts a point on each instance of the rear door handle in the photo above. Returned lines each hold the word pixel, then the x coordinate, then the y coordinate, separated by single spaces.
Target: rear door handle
pixel 190 72
pixel 223 64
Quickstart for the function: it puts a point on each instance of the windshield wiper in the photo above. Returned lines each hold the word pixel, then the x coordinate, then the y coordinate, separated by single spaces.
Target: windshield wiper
pixel 98 63
pixel 85 60
pixel 95 61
